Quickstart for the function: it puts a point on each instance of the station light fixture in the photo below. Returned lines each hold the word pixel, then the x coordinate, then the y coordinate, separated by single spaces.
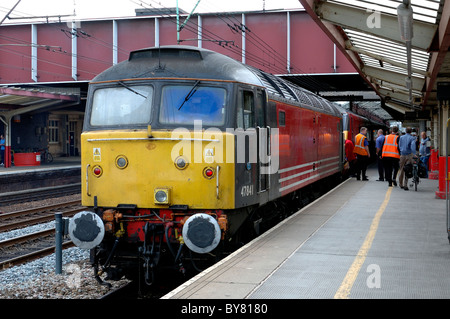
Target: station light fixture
pixel 405 22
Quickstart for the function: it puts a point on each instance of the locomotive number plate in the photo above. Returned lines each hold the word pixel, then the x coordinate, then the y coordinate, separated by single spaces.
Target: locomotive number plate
pixel 247 190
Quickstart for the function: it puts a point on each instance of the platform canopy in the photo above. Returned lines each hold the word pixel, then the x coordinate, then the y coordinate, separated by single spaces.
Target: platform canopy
pixel 15 101
pixel 368 33
pixel 19 100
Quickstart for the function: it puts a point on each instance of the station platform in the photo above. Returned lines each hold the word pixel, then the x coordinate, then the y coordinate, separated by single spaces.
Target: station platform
pixel 362 240
pixel 61 171
pixel 57 163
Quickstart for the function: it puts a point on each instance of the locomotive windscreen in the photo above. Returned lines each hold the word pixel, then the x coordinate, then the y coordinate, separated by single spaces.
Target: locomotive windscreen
pixel 123 105
pixel 182 104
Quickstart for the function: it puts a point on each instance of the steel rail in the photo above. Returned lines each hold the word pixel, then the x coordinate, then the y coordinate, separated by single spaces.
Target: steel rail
pixel 38 209
pixel 27 237
pixel 32 256
pixel 37 220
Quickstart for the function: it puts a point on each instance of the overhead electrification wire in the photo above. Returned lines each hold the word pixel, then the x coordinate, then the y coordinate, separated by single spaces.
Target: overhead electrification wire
pixel 236 25
pixel 275 61
pixel 279 61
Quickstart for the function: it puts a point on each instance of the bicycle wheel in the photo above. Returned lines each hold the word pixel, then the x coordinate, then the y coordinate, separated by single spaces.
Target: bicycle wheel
pixel 49 158
pixel 415 178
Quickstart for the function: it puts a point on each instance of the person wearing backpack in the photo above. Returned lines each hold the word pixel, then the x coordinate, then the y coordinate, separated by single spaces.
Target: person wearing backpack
pixel 407 146
pixel 425 150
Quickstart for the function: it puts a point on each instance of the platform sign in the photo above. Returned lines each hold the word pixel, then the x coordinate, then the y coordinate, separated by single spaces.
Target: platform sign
pixel 97 154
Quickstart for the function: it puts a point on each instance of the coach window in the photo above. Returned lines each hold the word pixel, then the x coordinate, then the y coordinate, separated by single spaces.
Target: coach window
pixel 245 111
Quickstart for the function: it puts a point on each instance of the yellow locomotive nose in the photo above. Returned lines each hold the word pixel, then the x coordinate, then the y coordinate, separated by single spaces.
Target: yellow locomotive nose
pixel 126 167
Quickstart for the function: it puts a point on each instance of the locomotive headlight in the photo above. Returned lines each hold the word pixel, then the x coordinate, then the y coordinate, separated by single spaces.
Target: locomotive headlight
pixel 180 162
pixel 121 161
pixel 161 196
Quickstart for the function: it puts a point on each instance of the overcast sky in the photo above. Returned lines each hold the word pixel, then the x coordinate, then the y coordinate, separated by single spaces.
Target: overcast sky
pixel 120 8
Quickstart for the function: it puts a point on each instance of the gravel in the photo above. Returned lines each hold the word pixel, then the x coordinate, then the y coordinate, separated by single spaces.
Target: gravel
pixel 26 231
pixel 37 279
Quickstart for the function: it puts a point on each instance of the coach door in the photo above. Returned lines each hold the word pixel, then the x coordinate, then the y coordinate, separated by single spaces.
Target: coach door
pixel 252 147
pixel 263 134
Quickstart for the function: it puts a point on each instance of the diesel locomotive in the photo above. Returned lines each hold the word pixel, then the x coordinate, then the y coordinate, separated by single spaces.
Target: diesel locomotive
pixel 183 147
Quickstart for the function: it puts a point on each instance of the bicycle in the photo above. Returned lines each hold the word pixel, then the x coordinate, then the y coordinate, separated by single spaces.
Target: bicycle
pixel 415 172
pixel 46 156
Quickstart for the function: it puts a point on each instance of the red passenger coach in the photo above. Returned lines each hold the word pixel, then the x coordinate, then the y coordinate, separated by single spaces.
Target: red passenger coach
pixel 309 146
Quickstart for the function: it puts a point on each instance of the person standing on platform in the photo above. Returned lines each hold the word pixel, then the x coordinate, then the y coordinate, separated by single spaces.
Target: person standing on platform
pixel 350 156
pixel 391 155
pixel 362 154
pixel 407 146
pixel 2 150
pixel 425 150
pixel 379 145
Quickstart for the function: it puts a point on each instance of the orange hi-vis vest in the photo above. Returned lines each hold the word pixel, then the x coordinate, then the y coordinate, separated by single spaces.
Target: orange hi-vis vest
pixel 359 145
pixel 390 147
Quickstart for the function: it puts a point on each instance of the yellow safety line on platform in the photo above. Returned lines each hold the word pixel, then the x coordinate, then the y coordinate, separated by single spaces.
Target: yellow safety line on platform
pixel 347 284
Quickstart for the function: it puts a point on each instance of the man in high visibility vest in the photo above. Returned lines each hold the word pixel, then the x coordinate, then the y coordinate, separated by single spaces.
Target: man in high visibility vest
pixel 391 155
pixel 362 154
pixel 379 145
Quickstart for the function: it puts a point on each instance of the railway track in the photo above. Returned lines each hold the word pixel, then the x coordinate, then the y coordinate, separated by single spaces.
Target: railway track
pixel 21 249
pixel 39 193
pixel 28 217
pixel 28 252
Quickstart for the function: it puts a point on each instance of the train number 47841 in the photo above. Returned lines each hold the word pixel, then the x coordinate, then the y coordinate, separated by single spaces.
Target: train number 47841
pixel 247 190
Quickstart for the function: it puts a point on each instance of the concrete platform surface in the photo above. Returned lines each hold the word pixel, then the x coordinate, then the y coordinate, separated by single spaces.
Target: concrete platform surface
pixel 363 240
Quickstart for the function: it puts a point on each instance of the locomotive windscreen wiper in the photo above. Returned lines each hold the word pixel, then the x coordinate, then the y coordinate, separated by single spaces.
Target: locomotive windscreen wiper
pixel 127 87
pixel 190 94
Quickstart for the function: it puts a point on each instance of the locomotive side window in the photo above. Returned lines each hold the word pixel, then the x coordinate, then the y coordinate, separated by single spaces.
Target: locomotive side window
pixel 245 113
pixel 182 104
pixel 281 118
pixel 123 105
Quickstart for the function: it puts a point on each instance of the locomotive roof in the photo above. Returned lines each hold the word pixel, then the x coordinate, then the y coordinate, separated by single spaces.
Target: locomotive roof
pixel 179 62
pixel 192 62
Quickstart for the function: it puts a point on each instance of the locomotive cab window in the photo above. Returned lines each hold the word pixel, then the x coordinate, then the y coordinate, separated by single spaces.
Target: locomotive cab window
pixel 245 110
pixel 182 104
pixel 122 105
